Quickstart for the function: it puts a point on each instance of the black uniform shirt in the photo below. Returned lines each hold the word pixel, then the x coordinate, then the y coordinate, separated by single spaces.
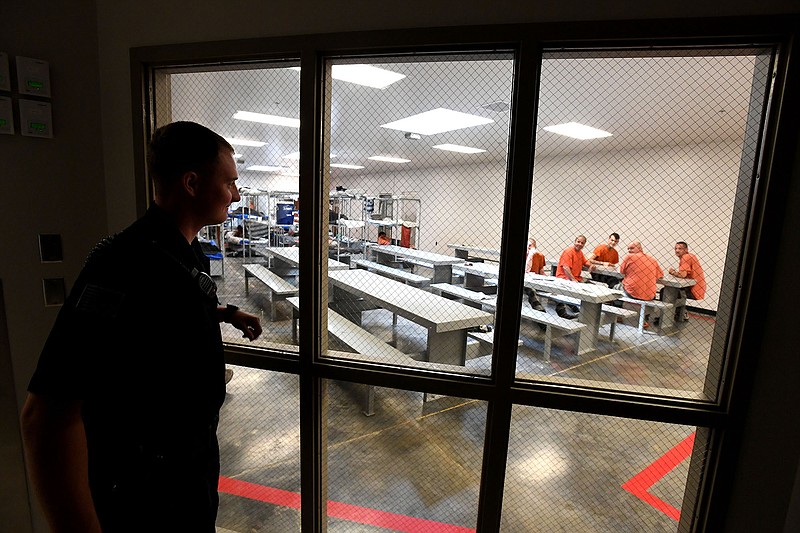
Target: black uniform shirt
pixel 138 342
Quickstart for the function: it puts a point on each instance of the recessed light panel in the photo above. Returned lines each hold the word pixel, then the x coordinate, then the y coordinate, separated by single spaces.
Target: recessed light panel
pixel 267 119
pixel 341 165
pixel 264 168
pixel 244 142
pixel 365 75
pixel 577 131
pixel 437 121
pixel 389 159
pixel 296 156
pixel 459 148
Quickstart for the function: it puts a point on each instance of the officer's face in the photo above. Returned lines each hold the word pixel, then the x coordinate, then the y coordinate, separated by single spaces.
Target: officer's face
pixel 218 189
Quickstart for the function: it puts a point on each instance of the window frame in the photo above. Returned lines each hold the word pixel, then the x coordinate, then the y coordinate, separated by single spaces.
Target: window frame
pixel 717 422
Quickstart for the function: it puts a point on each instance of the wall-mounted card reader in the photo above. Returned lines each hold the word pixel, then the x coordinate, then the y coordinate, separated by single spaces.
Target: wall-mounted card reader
pixel 35 119
pixel 33 77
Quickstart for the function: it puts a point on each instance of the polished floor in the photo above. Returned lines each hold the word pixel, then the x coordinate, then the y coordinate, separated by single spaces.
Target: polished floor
pixel 415 465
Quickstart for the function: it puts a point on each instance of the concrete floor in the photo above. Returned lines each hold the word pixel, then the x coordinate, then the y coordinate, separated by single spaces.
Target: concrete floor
pixel 416 467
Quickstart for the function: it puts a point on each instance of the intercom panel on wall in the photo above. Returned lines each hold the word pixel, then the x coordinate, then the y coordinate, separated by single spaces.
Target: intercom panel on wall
pixel 33 77
pixel 35 119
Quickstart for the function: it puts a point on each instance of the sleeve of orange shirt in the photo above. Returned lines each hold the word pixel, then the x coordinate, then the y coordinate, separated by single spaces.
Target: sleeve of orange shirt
pixel 624 265
pixel 537 263
pixel 659 271
pixel 691 265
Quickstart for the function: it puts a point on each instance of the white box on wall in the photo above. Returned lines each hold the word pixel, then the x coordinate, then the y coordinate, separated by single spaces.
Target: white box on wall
pixel 33 77
pixel 35 119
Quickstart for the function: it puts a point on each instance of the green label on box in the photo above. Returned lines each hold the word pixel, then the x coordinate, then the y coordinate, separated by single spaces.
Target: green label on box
pixel 41 126
pixel 35 84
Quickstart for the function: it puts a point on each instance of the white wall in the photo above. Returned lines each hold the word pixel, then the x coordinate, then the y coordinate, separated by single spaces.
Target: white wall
pixel 656 196
pixel 46 186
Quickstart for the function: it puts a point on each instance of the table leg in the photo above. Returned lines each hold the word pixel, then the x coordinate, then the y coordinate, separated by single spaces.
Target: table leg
pixel 589 315
pixel 670 295
pixel 295 318
pixel 442 273
pixel 461 253
pixel 449 347
pixel 471 280
pixel 380 257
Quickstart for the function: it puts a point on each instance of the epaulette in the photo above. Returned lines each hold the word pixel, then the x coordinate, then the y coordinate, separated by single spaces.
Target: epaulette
pixel 101 248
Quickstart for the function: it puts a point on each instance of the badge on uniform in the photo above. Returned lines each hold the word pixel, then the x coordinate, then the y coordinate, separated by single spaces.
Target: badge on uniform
pixel 101 301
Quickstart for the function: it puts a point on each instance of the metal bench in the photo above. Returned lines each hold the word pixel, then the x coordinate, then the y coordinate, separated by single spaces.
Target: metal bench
pixel 479 343
pixel 608 313
pixel 278 287
pixel 470 297
pixel 368 348
pixel 663 307
pixel 358 339
pixel 555 326
pixel 408 278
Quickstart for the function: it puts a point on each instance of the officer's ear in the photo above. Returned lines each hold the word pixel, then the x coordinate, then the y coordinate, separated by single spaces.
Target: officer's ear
pixel 190 183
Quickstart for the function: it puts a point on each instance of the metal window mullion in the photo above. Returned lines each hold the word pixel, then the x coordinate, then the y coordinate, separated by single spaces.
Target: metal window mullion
pixel 517 203
pixel 312 397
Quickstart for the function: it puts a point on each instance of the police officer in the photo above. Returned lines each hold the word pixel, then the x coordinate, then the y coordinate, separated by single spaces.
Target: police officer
pixel 119 426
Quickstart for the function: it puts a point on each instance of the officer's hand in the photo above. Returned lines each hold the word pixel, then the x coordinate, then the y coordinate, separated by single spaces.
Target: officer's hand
pixel 248 324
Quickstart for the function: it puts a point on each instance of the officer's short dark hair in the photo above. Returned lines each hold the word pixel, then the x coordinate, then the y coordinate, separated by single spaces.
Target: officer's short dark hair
pixel 182 147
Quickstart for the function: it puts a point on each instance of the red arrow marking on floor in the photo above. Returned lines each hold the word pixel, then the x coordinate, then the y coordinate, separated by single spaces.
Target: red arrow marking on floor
pixel 639 484
pixel 344 511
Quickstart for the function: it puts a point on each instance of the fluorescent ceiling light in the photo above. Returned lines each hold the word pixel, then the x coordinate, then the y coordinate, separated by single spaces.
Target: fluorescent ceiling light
pixel 244 142
pixel 342 165
pixel 264 168
pixel 296 156
pixel 578 131
pixel 389 159
pixel 437 121
pixel 366 75
pixel 267 119
pixel 459 148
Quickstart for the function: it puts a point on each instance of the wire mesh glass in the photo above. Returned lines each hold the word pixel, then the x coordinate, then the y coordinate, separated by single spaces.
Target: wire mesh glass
pixel 413 464
pixel 591 473
pixel 259 438
pixel 257 110
pixel 643 172
pixel 418 152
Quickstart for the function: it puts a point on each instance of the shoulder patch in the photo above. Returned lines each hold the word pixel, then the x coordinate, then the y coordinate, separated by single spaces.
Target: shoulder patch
pixel 100 301
pixel 100 248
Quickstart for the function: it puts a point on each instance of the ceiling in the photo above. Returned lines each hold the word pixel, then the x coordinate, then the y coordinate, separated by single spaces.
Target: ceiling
pixel 642 101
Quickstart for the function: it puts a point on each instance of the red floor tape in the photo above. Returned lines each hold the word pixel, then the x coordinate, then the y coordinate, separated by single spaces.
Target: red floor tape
pixel 639 484
pixel 343 511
